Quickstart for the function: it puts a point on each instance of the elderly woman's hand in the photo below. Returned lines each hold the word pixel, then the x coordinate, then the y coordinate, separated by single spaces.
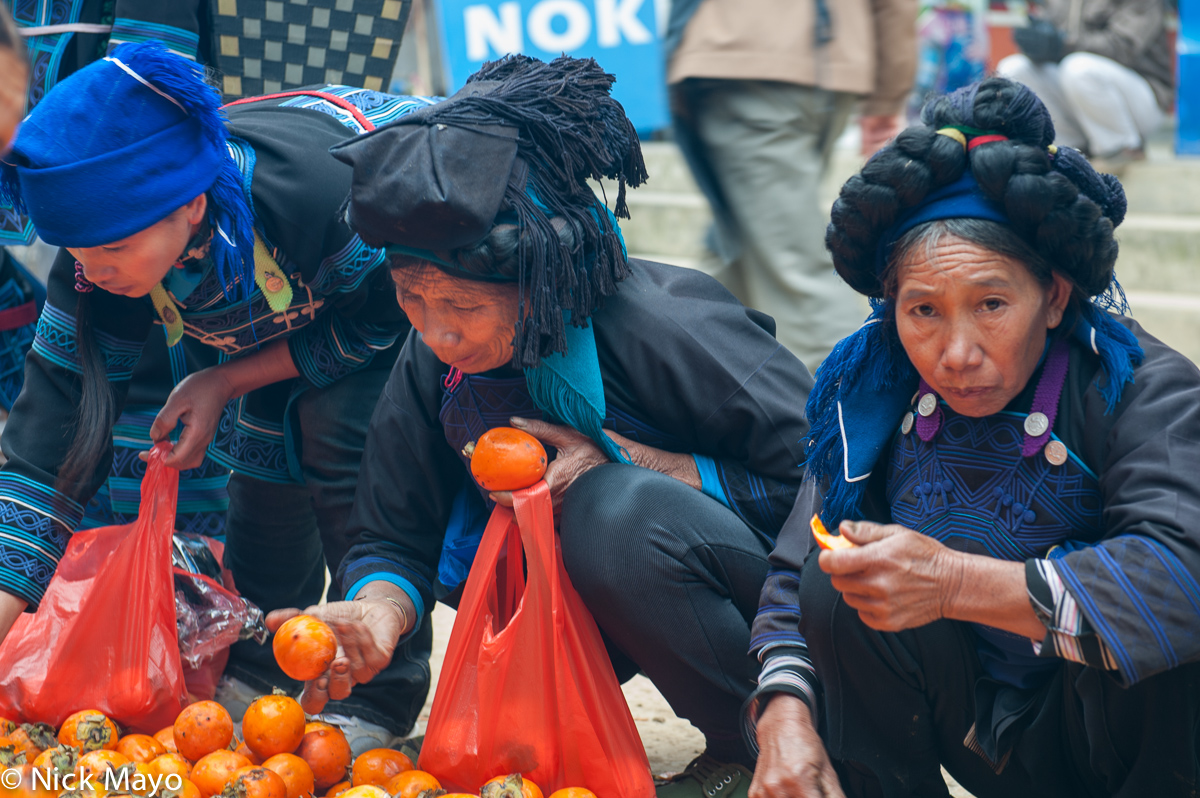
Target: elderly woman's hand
pixel 900 579
pixel 367 630
pixel 896 578
pixel 576 455
pixel 792 762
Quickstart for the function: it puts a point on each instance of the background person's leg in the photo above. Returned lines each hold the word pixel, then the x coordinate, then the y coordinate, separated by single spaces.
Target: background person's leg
pixel 672 578
pixel 1115 106
pixel 769 145
pixel 333 423
pixel 1044 79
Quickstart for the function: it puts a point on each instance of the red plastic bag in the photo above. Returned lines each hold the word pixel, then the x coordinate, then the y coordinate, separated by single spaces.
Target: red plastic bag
pixel 104 636
pixel 527 686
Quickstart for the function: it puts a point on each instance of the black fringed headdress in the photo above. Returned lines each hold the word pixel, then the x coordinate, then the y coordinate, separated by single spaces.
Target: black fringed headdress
pixel 521 140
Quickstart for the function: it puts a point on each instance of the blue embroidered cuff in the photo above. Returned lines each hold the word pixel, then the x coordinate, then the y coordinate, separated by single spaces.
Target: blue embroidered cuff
pixel 399 581
pixel 710 481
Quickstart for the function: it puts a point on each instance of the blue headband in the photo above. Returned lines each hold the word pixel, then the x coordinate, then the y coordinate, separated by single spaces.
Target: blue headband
pixel 962 199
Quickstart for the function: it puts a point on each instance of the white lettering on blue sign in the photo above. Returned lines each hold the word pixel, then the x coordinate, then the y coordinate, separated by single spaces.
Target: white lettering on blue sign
pixel 617 20
pixel 488 34
pixel 573 35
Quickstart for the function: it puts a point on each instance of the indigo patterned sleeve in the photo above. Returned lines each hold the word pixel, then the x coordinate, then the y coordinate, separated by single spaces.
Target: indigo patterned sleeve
pixel 361 316
pixel 36 520
pixel 1138 587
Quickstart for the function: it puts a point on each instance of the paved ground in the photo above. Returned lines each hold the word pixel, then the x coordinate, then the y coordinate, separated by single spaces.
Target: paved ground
pixel 670 741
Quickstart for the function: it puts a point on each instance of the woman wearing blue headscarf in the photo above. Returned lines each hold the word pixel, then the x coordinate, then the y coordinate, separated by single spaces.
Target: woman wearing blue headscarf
pixel 1016 465
pixel 179 219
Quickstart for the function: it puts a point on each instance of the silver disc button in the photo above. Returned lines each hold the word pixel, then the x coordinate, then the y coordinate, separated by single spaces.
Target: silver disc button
pixel 1036 424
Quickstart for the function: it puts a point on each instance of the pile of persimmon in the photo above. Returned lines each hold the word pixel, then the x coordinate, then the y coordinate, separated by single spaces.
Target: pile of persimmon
pixel 279 755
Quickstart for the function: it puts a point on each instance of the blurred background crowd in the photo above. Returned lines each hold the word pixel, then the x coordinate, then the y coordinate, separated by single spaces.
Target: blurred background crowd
pixel 748 104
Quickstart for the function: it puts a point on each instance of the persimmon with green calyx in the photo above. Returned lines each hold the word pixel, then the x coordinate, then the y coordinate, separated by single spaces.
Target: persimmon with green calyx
pixel 304 647
pixel 513 785
pixel 88 730
pixel 505 458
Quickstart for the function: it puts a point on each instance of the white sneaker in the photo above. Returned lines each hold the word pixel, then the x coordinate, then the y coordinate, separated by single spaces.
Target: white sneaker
pixel 361 734
pixel 236 696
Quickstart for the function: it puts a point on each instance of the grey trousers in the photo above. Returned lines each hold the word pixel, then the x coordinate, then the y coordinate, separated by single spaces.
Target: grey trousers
pixel 765 147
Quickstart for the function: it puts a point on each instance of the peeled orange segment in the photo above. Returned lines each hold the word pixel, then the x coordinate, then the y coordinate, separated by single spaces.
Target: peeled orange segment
pixel 826 540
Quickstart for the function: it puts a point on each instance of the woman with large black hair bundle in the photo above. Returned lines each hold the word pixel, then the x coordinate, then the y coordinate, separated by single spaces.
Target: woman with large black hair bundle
pixel 1015 463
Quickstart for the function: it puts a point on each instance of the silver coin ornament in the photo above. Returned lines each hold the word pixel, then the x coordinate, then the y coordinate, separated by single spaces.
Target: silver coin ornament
pixel 907 424
pixel 1056 452
pixel 1036 424
pixel 927 405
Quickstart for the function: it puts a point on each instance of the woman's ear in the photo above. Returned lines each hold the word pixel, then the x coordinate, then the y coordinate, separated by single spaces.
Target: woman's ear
pixel 1058 295
pixel 195 210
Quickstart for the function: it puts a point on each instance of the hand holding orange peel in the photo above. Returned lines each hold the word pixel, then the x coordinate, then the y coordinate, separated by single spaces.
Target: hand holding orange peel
pixel 826 540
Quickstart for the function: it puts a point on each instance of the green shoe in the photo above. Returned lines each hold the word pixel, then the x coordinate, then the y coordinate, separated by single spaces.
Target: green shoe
pixel 705 777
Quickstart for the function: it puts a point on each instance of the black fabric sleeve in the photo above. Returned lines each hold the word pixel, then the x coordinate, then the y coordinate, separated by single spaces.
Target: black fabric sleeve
pixel 408 480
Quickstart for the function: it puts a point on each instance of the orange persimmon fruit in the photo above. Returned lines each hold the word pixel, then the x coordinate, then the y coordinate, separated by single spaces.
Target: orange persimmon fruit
pixel 513 785
pixel 97 763
pixel 327 752
pixel 505 458
pixel 166 738
pixel 338 789
pixel 378 766
pixel 186 789
pixel 273 724
pixel 304 647
pixel 573 792
pixel 140 747
pixel 170 763
pixel 255 781
pixel 202 728
pixel 213 770
pixel 366 791
pixel 411 783
pixel 296 774
pixel 88 730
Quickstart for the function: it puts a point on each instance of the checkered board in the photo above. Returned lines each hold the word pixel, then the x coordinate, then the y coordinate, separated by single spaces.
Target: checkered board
pixel 267 46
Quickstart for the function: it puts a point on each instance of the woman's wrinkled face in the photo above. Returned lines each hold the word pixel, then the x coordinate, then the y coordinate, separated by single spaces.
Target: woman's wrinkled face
pixel 974 322
pixel 468 324
pixel 134 265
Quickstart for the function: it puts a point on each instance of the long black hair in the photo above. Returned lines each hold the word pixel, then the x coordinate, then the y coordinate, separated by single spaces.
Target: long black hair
pixel 96 411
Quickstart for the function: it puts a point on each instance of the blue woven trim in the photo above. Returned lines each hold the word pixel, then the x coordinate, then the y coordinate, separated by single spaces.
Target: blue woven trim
pixel 55 341
pixel 42 498
pixel 178 40
pixel 329 349
pixel 409 589
pixel 710 480
pixel 345 270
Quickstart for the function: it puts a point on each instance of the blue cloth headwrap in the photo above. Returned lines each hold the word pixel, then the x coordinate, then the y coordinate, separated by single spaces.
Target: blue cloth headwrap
pixel 119 146
pixel 962 199
pixel 866 384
